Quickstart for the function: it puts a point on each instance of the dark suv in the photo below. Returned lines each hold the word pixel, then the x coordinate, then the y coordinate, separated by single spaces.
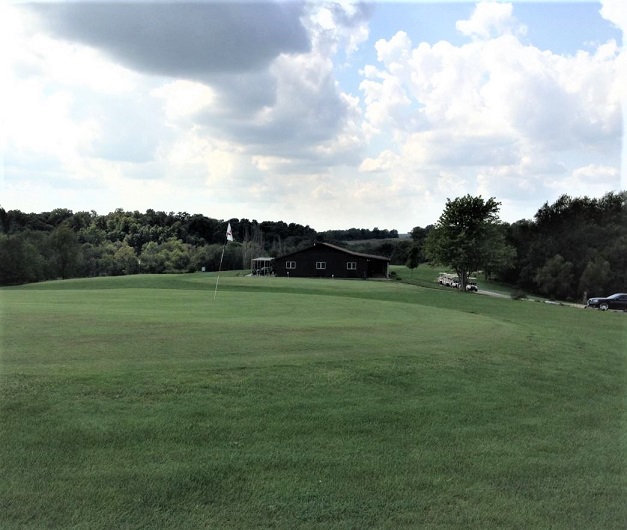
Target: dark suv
pixel 616 301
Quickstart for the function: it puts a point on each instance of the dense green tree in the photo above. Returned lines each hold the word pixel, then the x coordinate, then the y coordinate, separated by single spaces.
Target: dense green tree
pixel 125 260
pixel 177 255
pixel 413 259
pixel 555 278
pixel 92 264
pixel 5 221
pixel 209 257
pixel 59 216
pixel 92 235
pixel 498 254
pixel 252 244
pixel 419 234
pixel 20 261
pixel 400 252
pixel 384 248
pixel 595 277
pixel 578 229
pixel 65 246
pixel 615 252
pixel 418 239
pixel 152 260
pixel 201 229
pixel 464 235
pixel 232 256
pixel 106 263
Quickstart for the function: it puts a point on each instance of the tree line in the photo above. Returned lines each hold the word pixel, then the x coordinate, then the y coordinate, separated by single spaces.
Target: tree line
pixel 62 243
pixel 573 248
pixel 360 234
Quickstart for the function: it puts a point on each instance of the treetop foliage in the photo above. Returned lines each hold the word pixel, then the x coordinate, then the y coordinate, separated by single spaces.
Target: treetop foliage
pixel 467 215
pixel 463 237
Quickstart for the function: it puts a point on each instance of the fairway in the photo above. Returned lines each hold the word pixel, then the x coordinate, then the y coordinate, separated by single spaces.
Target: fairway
pixel 142 402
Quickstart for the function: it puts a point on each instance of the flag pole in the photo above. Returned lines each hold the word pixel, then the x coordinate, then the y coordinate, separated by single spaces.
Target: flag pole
pixel 229 237
pixel 215 292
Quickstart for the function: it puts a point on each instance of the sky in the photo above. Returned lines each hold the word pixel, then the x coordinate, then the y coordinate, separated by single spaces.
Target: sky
pixel 328 114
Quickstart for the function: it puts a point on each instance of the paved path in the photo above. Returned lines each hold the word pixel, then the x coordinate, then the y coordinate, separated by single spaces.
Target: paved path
pixel 502 295
pixel 493 293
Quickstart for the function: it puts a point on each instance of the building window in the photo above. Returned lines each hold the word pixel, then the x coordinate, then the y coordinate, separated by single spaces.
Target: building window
pixel 290 264
pixel 321 265
pixel 351 265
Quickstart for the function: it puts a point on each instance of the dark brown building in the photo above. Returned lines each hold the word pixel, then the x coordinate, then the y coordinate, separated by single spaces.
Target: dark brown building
pixel 329 261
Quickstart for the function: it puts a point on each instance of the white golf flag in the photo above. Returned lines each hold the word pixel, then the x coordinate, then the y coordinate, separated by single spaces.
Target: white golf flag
pixel 229 233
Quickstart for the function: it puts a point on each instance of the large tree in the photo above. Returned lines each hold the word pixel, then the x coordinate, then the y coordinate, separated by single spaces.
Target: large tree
pixel 66 249
pixel 464 238
pixel 413 258
pixel 555 278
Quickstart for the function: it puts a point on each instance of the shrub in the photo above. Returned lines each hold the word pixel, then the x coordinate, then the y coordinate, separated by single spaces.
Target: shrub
pixel 518 294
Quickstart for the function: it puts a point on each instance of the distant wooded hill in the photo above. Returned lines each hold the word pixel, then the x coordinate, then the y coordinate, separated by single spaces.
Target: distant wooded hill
pixel 62 244
pixel 573 246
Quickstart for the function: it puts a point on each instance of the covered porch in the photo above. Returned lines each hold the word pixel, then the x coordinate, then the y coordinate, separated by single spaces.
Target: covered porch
pixel 262 266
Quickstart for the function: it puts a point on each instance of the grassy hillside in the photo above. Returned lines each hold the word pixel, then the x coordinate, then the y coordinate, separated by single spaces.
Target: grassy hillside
pixel 140 402
pixel 426 276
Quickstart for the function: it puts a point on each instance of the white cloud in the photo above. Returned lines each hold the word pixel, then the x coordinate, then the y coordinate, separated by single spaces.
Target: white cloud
pixel 393 51
pixel 77 65
pixel 295 111
pixel 267 130
pixel 384 162
pixel 183 99
pixel 60 95
pixel 503 117
pixel 197 159
pixel 592 179
pixel 338 25
pixel 616 12
pixel 489 20
pixel 39 122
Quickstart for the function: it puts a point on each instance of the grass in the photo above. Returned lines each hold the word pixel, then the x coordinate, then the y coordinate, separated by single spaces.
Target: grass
pixel 140 402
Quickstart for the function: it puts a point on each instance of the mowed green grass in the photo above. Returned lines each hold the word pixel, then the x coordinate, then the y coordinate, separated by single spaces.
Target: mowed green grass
pixel 142 402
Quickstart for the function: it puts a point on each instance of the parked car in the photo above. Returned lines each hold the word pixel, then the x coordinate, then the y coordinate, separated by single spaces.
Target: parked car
pixel 616 301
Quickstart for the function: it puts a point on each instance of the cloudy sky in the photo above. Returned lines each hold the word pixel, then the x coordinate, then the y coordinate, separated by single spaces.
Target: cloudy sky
pixel 333 115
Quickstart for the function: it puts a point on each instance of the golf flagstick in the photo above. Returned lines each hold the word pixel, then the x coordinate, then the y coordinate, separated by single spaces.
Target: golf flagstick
pixel 229 237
